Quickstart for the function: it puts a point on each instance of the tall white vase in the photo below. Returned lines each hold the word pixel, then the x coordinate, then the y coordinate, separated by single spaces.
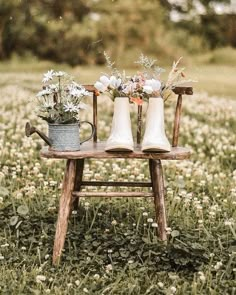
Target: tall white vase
pixel 121 138
pixel 154 136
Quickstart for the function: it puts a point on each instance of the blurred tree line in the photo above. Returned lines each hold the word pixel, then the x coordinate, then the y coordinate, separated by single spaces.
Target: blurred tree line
pixel 78 31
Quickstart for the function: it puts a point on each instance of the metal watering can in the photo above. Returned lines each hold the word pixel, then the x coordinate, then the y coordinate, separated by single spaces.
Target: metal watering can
pixel 61 137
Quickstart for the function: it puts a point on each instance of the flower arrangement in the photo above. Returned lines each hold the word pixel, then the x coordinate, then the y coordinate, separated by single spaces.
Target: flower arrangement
pixel 152 77
pixel 60 100
pixel 144 84
pixel 113 84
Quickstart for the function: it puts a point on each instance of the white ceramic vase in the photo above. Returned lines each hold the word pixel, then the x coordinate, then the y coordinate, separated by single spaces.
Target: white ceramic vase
pixel 155 137
pixel 121 138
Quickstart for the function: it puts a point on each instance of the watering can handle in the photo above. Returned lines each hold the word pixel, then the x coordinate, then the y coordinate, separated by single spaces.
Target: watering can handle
pixel 92 129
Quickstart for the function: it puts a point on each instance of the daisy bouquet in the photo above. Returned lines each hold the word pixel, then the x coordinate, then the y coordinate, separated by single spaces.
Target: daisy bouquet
pixel 60 99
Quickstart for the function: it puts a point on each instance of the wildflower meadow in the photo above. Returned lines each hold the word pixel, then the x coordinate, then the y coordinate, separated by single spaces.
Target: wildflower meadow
pixel 111 245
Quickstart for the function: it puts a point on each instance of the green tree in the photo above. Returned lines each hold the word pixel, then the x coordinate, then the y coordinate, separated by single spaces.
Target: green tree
pixel 7 10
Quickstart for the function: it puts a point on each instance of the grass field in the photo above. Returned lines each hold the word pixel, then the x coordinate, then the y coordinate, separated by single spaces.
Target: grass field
pixel 111 245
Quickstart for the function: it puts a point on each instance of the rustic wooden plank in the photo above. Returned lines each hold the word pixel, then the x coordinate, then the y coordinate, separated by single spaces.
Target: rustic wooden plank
pixel 177 121
pixel 187 90
pixel 159 198
pixel 113 194
pixel 90 88
pixel 64 209
pixel 96 151
pixel 78 180
pixel 116 183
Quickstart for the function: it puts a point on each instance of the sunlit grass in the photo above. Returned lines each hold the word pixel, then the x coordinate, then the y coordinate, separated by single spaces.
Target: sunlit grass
pixel 111 245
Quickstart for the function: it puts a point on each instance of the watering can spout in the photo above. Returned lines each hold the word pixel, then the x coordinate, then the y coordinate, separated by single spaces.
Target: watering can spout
pixel 29 130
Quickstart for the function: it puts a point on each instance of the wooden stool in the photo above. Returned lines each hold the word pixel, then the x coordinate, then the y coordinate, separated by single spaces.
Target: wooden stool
pixel 73 177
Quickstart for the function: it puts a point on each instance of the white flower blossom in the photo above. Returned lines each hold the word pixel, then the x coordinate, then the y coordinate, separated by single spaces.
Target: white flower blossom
pixel 104 80
pixel 100 87
pixel 40 278
pixel 43 92
pixel 48 104
pixel 147 89
pixel 129 88
pixel 115 82
pixel 59 74
pixel 155 84
pixel 48 76
pixel 75 92
pixel 70 107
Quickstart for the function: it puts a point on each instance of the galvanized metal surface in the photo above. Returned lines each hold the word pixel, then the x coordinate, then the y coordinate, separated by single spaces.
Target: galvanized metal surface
pixel 64 137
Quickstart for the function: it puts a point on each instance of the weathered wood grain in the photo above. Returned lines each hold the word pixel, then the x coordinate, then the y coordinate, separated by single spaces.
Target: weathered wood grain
pixel 116 183
pixel 78 180
pixel 64 209
pixel 96 151
pixel 177 121
pixel 159 198
pixel 113 194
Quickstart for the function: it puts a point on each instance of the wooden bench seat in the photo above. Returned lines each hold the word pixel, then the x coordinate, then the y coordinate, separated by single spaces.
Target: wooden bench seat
pixel 95 150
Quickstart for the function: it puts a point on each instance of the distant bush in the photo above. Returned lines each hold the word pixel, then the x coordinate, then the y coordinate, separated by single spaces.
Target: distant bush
pixel 226 56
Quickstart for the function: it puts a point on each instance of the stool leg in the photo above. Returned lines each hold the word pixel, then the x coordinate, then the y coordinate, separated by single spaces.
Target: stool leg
pixel 159 197
pixel 78 180
pixel 64 209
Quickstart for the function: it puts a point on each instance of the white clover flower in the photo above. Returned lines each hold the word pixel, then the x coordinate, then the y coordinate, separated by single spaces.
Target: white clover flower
pixel 160 284
pixel 48 76
pixel 154 224
pixel 149 220
pixel 96 276
pixel 115 82
pixel 218 265
pixel 147 89
pixel 114 222
pixel 109 268
pixel 40 278
pixel 173 290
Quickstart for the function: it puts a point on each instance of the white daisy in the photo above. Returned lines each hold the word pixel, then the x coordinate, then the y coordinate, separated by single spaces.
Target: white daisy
pixel 70 107
pixel 48 76
pixel 48 105
pixel 43 92
pixel 59 74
